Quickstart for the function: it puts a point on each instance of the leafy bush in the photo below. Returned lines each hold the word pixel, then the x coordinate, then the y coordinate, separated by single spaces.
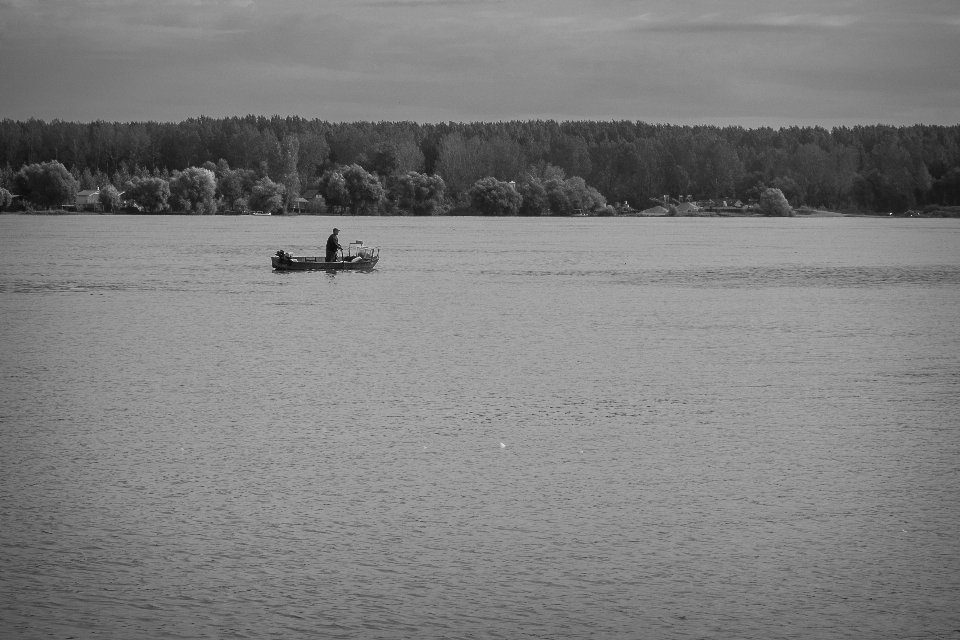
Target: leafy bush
pixel 267 195
pixel 194 190
pixel 365 191
pixel 150 193
pixel 46 184
pixel 420 194
pixel 492 197
pixel 110 198
pixel 317 204
pixel 351 187
pixel 773 203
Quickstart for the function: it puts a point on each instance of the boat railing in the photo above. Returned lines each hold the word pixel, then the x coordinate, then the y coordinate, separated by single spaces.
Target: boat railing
pixel 362 251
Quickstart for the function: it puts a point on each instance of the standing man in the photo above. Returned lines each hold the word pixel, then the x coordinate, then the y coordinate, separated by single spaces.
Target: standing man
pixel 332 245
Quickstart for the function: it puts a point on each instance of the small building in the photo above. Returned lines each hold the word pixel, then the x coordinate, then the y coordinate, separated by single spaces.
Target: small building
pixel 299 204
pixel 88 199
pixel 312 200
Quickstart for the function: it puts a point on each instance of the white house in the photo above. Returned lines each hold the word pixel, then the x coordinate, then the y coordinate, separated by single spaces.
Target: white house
pixel 88 199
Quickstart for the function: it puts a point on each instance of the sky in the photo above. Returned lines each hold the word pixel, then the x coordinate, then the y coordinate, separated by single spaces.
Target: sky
pixel 724 62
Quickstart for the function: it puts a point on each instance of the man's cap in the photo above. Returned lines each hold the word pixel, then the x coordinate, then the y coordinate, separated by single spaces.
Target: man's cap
pixel 335 230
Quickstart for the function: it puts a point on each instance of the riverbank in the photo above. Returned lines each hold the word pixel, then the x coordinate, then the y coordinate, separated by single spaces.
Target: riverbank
pixel 946 212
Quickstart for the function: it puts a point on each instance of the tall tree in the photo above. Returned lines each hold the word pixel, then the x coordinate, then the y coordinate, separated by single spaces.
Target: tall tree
pixel 364 190
pixel 110 198
pixel 459 163
pixel 492 197
pixel 420 194
pixel 150 193
pixel 384 160
pixel 6 198
pixel 194 190
pixel 313 153
pixel 534 197
pixel 46 184
pixel 290 153
pixel 333 188
pixel 267 195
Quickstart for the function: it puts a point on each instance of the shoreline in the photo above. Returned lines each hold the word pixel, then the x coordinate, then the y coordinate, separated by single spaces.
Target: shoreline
pixel 704 214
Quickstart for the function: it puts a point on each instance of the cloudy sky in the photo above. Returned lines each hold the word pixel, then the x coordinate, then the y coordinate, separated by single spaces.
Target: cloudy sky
pixel 746 62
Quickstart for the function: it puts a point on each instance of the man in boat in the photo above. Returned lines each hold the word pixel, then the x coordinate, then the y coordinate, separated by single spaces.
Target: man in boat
pixel 333 245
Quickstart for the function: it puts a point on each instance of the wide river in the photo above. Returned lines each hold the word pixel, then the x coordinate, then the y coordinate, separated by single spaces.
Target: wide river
pixel 512 428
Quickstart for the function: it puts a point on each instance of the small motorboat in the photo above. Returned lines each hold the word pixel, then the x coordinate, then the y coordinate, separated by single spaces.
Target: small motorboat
pixel 356 258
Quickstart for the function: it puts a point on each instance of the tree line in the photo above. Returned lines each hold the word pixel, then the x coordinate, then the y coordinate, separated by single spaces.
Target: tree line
pixel 552 167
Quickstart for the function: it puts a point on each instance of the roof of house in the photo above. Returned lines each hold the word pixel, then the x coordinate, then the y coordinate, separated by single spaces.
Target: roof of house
pixel 309 194
pixel 656 209
pixel 88 192
pixel 687 206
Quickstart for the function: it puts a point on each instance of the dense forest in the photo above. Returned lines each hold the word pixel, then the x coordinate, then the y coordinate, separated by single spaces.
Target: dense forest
pixel 866 168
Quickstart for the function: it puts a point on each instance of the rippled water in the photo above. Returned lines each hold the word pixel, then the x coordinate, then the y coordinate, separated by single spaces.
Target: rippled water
pixel 612 428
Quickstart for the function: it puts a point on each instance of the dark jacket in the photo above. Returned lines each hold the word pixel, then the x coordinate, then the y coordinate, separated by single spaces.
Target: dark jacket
pixel 332 246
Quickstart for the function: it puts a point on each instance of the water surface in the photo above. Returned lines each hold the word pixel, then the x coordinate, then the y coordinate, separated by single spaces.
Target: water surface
pixel 617 428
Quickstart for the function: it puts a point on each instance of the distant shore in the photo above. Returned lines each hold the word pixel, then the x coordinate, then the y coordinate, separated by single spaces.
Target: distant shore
pixel 950 212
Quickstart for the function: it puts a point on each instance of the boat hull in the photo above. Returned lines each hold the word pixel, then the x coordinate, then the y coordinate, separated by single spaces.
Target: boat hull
pixel 307 263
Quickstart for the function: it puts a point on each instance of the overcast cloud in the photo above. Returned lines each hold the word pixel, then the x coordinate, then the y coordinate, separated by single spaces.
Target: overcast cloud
pixel 746 62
